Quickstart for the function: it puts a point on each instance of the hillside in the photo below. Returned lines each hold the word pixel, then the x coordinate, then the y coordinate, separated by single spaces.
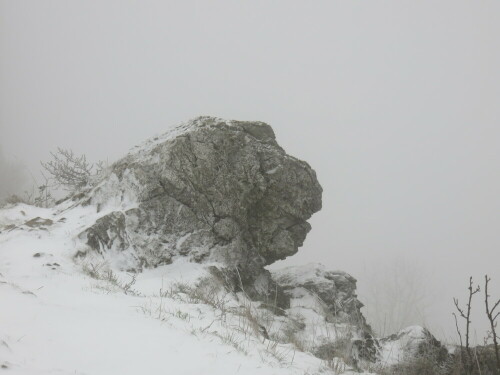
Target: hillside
pixel 158 265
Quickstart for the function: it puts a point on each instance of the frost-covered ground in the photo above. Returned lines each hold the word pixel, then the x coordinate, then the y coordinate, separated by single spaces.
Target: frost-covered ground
pixel 61 316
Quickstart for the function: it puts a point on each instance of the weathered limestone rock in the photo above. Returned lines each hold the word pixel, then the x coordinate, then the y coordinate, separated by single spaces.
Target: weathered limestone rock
pixel 409 343
pixel 326 304
pixel 211 190
pixel 108 230
pixel 335 290
pixel 330 297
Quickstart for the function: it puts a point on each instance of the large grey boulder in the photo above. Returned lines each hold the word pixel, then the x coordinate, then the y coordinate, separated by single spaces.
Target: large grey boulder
pixel 211 190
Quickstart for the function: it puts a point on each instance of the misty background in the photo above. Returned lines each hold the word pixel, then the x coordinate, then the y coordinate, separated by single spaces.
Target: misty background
pixel 395 104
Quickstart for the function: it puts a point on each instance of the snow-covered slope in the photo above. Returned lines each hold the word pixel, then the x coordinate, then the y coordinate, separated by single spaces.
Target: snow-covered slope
pixel 62 315
pixel 158 266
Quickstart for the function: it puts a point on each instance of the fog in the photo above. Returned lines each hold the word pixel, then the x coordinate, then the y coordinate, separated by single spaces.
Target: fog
pixel 395 104
pixel 13 176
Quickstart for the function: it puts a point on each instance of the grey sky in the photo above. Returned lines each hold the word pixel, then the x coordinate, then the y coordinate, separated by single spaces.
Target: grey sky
pixel 395 104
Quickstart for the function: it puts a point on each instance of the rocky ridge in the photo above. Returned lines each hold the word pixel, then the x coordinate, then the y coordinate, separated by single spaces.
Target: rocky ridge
pixel 225 194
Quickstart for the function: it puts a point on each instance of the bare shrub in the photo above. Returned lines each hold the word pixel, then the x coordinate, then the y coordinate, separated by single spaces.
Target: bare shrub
pixel 465 313
pixel 70 171
pixel 492 318
pixel 101 272
pixel 40 194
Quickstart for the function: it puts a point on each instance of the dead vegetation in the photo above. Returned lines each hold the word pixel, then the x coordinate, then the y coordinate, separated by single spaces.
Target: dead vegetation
pixel 69 171
pixel 237 321
pixel 492 316
pixel 99 271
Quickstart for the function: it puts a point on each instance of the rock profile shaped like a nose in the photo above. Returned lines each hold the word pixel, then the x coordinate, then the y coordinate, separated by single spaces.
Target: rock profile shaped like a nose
pixel 211 190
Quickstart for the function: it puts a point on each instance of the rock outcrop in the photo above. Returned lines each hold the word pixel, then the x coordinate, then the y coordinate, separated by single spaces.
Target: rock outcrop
pixel 213 191
pixel 332 324
pixel 331 314
pixel 334 291
pixel 409 343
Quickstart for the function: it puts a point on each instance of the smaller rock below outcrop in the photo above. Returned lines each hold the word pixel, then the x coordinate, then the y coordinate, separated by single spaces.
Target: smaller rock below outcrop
pixel 325 306
pixel 335 291
pixel 410 343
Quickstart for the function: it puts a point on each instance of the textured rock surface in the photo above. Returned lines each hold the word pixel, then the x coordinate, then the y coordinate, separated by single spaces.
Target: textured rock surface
pixel 411 342
pixel 335 290
pixel 211 190
pixel 329 310
pixel 330 297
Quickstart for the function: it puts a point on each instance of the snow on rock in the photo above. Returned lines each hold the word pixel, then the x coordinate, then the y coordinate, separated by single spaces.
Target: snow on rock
pixel 326 304
pixel 64 316
pixel 211 190
pixel 159 267
pixel 327 307
pixel 334 291
pixel 409 343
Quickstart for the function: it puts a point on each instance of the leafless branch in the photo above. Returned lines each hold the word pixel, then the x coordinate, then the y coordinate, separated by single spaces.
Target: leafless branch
pixel 490 313
pixel 70 171
pixel 466 314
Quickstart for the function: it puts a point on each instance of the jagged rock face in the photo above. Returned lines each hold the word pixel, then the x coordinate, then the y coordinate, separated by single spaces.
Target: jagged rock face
pixel 211 190
pixel 335 290
pixel 411 342
pixel 330 297
pixel 325 302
